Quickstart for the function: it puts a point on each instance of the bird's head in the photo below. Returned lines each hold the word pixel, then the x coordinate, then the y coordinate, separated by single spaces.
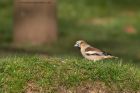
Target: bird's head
pixel 80 43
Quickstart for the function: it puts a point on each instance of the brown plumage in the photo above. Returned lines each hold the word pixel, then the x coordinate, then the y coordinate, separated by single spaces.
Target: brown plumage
pixel 92 53
pixel 92 49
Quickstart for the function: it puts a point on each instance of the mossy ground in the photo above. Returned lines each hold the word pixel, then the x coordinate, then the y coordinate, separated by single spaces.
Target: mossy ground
pixel 42 74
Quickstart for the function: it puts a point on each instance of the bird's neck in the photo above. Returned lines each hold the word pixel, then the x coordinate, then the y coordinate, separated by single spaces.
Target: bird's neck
pixel 84 46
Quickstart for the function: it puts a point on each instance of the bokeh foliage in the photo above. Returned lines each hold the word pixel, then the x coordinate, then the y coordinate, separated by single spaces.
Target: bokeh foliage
pixel 102 23
pixel 6 15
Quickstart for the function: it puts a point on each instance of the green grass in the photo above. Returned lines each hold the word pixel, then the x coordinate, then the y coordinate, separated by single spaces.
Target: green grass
pixel 47 74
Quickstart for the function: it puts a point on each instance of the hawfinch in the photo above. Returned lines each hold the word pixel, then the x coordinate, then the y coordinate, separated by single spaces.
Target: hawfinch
pixel 92 53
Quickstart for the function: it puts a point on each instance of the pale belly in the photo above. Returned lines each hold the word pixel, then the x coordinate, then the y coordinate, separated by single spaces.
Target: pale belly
pixel 95 58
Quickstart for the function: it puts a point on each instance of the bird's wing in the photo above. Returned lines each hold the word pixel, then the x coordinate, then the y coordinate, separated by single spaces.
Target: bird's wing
pixel 94 51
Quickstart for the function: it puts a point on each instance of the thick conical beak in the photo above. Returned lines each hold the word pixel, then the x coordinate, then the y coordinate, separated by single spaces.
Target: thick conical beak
pixel 76 45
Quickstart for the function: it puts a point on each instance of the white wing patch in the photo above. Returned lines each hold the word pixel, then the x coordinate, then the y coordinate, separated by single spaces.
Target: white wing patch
pixel 91 52
pixel 94 53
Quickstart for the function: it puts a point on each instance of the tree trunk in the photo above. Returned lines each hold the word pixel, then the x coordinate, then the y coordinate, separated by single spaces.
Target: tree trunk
pixel 35 22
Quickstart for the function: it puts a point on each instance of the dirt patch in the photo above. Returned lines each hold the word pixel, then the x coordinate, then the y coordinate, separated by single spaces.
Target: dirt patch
pixel 87 87
pixel 32 88
pixel 97 87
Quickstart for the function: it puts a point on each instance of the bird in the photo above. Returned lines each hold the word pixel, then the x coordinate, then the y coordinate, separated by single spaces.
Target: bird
pixel 92 53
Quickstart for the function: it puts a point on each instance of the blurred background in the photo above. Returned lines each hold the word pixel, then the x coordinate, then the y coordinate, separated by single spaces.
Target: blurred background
pixel 111 25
